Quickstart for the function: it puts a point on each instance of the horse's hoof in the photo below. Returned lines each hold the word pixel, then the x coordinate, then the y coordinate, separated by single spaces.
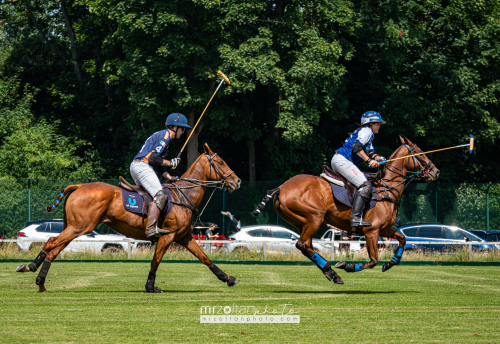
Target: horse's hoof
pixel 156 290
pixel 232 281
pixel 22 268
pixel 386 267
pixel 41 289
pixel 338 280
pixel 341 265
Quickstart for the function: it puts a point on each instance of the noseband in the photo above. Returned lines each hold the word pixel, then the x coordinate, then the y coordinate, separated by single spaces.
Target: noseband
pixel 224 182
pixel 424 170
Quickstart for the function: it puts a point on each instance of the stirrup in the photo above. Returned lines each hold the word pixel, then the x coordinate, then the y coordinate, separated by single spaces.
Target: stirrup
pixel 158 233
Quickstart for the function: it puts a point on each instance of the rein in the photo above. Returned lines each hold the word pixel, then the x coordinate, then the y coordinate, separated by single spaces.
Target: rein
pixel 221 185
pixel 423 173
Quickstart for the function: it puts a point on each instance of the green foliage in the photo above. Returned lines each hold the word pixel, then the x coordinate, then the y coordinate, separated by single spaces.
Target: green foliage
pixel 33 148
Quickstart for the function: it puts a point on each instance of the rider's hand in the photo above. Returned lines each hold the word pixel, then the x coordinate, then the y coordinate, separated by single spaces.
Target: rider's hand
pixel 373 163
pixel 174 163
pixel 381 158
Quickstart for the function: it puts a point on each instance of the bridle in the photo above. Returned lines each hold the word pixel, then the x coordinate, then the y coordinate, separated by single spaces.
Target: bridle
pixel 425 169
pixel 221 185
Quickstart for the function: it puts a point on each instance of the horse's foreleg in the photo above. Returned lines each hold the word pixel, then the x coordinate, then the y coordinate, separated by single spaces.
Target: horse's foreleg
pixel 398 253
pixel 372 247
pixel 304 244
pixel 192 246
pixel 162 246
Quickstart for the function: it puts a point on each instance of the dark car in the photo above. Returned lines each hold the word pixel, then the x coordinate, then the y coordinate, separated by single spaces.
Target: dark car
pixel 486 235
pixel 441 236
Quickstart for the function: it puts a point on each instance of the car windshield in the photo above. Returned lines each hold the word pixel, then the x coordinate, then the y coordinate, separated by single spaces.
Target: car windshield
pixel 470 236
pixel 259 233
pixel 282 234
pixel 411 232
pixel 493 237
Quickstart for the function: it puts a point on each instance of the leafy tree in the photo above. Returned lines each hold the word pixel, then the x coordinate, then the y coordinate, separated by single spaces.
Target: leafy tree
pixel 33 148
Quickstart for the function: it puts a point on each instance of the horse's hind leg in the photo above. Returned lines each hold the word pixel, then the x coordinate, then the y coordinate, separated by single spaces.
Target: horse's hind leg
pixel 192 246
pixel 398 253
pixel 163 243
pixel 304 244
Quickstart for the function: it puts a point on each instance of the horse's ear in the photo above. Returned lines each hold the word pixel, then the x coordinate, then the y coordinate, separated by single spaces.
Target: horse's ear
pixel 403 139
pixel 207 149
pixel 408 142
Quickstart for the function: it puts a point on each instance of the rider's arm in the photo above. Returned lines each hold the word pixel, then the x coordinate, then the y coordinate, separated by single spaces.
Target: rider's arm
pixel 156 160
pixel 362 155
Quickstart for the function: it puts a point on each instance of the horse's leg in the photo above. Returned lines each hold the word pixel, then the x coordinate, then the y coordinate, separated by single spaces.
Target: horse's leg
pixel 398 253
pixel 372 247
pixel 162 246
pixel 49 252
pixel 192 246
pixel 304 244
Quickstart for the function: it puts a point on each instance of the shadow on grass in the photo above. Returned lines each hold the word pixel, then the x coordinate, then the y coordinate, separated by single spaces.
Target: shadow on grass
pixel 354 292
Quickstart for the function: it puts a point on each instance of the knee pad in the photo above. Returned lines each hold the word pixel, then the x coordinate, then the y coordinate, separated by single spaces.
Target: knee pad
pixel 366 191
pixel 161 199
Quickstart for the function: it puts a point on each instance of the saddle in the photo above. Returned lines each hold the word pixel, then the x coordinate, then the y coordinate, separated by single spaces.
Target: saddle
pixel 135 188
pixel 333 177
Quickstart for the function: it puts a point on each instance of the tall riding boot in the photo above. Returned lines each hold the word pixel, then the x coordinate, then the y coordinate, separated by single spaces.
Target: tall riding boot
pixel 152 229
pixel 357 212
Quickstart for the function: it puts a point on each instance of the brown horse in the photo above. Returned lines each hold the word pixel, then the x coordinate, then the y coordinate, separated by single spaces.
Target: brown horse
pixel 87 205
pixel 306 201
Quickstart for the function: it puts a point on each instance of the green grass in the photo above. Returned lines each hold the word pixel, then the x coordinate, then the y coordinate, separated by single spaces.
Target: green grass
pixel 106 303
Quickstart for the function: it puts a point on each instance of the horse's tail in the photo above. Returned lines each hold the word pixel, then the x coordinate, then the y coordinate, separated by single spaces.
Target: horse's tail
pixel 64 192
pixel 270 194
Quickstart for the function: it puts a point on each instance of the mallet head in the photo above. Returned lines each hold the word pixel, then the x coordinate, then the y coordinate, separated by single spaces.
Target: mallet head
pixel 471 143
pixel 224 77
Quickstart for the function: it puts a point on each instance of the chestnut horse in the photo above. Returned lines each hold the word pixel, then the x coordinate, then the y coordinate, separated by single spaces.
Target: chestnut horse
pixel 87 205
pixel 306 201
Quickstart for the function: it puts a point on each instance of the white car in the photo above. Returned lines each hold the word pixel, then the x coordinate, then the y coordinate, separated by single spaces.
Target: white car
pixel 35 234
pixel 277 239
pixel 333 234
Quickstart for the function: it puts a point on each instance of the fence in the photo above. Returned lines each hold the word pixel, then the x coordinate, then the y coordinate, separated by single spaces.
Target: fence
pixel 469 206
pixel 330 247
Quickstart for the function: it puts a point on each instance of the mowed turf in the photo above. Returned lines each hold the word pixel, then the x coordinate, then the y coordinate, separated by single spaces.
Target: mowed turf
pixel 106 303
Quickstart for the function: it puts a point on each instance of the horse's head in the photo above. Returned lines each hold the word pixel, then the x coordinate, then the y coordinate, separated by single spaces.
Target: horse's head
pixel 218 170
pixel 419 163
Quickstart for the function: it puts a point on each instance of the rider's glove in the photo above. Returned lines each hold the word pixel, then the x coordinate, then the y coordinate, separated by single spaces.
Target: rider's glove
pixel 174 163
pixel 373 163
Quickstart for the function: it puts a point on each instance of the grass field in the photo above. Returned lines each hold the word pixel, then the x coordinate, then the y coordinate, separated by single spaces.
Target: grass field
pixel 106 303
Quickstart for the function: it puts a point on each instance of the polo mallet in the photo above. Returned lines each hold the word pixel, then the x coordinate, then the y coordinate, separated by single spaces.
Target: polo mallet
pixel 224 78
pixel 470 145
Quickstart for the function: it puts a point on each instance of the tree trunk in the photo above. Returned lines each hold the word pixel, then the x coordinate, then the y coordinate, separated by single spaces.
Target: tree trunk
pixel 192 146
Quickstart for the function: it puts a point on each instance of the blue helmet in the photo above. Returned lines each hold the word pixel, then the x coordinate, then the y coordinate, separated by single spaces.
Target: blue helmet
pixel 371 117
pixel 177 119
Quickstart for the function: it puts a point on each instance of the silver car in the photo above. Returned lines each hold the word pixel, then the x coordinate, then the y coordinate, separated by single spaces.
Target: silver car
pixel 276 238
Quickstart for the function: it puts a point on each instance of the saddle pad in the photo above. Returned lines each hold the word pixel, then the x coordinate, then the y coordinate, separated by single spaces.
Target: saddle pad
pixel 134 202
pixel 340 193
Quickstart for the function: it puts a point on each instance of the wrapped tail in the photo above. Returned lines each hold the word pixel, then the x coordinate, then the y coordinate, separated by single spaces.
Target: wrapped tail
pixel 64 192
pixel 262 205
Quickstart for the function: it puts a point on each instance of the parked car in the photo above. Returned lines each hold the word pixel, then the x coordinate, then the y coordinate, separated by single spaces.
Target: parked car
pixel 36 233
pixel 486 235
pixel 441 235
pixel 276 238
pixel 333 234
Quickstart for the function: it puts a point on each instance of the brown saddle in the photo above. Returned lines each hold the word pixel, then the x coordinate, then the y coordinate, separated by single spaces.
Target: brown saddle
pixel 135 188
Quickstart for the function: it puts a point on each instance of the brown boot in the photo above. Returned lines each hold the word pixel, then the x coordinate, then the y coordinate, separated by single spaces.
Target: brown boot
pixel 152 229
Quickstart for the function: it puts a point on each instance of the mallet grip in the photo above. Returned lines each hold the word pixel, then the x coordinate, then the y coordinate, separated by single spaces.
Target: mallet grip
pixel 224 77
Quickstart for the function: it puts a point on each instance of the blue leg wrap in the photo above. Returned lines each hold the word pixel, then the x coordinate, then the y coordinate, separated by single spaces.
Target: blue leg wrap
pixel 320 261
pixel 358 267
pixel 397 255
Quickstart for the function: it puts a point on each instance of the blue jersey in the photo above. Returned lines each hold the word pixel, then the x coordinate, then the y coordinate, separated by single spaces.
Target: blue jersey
pixel 364 136
pixel 158 142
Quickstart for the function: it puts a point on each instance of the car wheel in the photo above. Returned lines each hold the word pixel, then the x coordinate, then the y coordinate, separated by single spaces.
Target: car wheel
pixel 241 249
pixel 112 249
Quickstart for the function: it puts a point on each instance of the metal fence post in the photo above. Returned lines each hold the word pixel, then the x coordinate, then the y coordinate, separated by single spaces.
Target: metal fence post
pixel 488 207
pixel 470 251
pixel 29 199
pixel 224 209
pixel 129 249
pixel 332 250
